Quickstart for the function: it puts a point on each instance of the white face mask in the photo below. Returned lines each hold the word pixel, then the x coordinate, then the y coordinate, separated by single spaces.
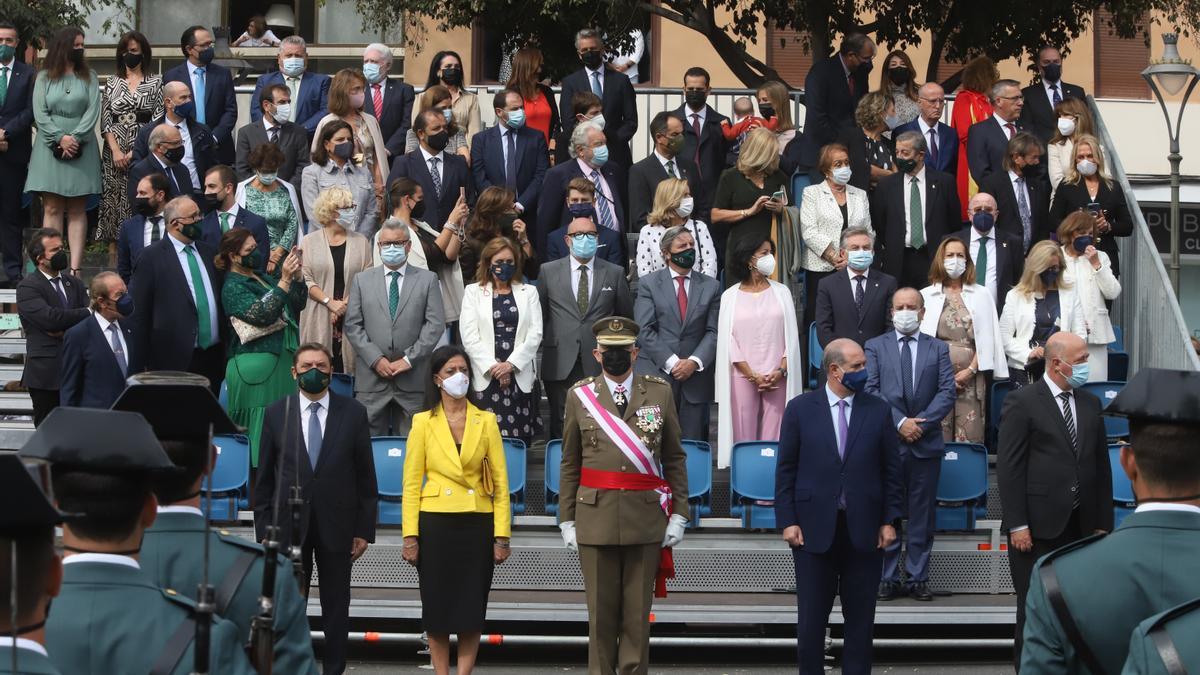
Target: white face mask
pixel 346 216
pixel 906 321
pixel 955 267
pixel 283 112
pixel 765 265
pixel 841 174
pixel 1086 167
pixel 456 385
pixel 1066 126
pixel 598 120
pixel 685 207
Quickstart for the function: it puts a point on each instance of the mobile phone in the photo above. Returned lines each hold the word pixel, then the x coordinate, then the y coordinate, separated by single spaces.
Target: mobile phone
pixel 780 196
pixel 298 252
pixel 1094 208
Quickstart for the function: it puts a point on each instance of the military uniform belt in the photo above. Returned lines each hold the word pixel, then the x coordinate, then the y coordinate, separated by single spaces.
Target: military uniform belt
pixel 616 480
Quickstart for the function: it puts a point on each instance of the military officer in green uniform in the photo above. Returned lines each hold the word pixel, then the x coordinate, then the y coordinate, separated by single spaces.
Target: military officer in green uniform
pixel 180 407
pixel 27 521
pixel 624 498
pixel 111 618
pixel 1086 598
pixel 1166 643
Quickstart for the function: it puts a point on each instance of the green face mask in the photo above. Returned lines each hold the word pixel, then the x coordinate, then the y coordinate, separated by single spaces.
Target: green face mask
pixel 313 381
pixel 253 260
pixel 675 144
pixel 6 52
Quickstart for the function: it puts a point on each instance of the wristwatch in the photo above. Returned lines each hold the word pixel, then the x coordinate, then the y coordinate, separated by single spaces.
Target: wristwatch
pixel 325 301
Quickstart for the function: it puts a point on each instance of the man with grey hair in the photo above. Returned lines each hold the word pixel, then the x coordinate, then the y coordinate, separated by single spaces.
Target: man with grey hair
pixel 591 158
pixel 677 308
pixel 309 100
pixel 854 303
pixel 96 354
pixel 941 141
pixel 165 150
pixel 389 100
pixel 614 89
pixel 199 146
pixel 987 140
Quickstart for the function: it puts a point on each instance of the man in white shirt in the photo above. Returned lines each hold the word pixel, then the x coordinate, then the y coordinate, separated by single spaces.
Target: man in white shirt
pixel 1041 98
pixel 199 146
pixel 996 252
pixel 942 141
pixel 987 140
pixel 664 162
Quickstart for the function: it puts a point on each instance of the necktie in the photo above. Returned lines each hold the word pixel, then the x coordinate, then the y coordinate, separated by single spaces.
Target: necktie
pixel 1070 420
pixel 198 95
pixel 1023 210
pixel 906 369
pixel 1011 129
pixel 671 169
pixel 604 206
pixel 510 162
pixel 620 399
pixel 273 134
pixel 584 293
pixel 696 130
pixel 61 293
pixel 850 82
pixel 1057 96
pixel 116 347
pixel 843 428
pixel 378 96
pixel 860 292
pixel 393 293
pixel 597 89
pixel 204 336
pixel 293 85
pixel 3 84
pixel 314 433
pixel 170 171
pixel 224 222
pixel 436 175
pixel 933 147
pixel 681 298
pixel 981 262
pixel 916 215
pixel 155 228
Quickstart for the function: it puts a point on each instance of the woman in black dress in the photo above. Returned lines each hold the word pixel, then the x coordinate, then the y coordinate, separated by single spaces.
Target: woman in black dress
pixel 1086 185
pixel 744 206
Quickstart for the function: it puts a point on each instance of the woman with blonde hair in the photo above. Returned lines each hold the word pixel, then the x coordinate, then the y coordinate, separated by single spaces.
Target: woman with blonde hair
pixel 1040 305
pixel 333 255
pixel 673 205
pixel 749 195
pixel 971 105
pixel 347 92
pixel 1088 269
pixel 774 101
pixel 1087 186
pixel 1074 121
pixel 540 111
pixel 438 98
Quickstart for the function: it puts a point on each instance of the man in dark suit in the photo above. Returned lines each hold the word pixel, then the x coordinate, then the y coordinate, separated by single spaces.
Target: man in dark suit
pixel 96 352
pixel 273 127
pixel 320 441
pixel 838 500
pixel 575 292
pixel 224 214
pixel 941 140
pixel 211 86
pixel 177 293
pixel 665 161
pixel 1000 261
pixel 590 160
pixel 48 302
pixel 308 93
pixel 442 175
pixel 1052 465
pixel 619 103
pixel 912 372
pixel 389 100
pixel 587 107
pixel 987 140
pixel 147 226
pixel 16 118
pixel 912 210
pixel 511 154
pixel 832 89
pixel 199 152
pixel 581 203
pixel 166 150
pixel 1038 114
pixel 703 141
pixel 847 307
pixel 1022 195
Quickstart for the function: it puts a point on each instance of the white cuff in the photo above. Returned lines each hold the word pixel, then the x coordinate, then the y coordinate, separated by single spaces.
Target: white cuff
pixel 901 423
pixel 671 361
pixel 699 363
pixel 1013 530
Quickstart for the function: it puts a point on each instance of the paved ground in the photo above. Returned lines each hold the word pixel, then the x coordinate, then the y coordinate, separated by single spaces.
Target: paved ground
pixel 781 669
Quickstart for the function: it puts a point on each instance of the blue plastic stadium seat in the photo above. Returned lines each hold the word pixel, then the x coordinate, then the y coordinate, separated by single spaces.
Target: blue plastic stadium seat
pixel 1118 343
pixel 962 487
pixel 389 453
pixel 1114 427
pixel 553 467
pixel 515 460
pixel 814 356
pixel 1123 500
pixel 342 385
pixel 230 478
pixel 999 391
pixel 1118 366
pixel 699 474
pixel 752 483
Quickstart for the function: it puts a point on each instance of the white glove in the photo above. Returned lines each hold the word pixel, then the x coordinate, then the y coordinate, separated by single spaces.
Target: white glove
pixel 568 535
pixel 675 528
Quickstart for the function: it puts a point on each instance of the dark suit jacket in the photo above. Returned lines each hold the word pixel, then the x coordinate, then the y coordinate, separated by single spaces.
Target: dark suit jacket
pixel 1036 465
pixel 149 165
pixel 455 175
pixel 934 394
pixel 987 144
pixel 1069 198
pixel 608 242
pixel 211 233
pixel 1038 115
pixel 855 141
pixel 397 113
pixel 1008 220
pixel 838 317
pixel 165 324
pixel 533 160
pixel 809 474
pixel 203 151
pixel 829 106
pixel 553 213
pixel 619 104
pixel 220 104
pixel 1009 263
pixel 310 106
pixel 644 178
pixel 16 118
pixel 888 216
pixel 293 142
pixel 340 493
pixel 710 157
pixel 131 239
pixel 90 376
pixel 44 320
pixel 947 155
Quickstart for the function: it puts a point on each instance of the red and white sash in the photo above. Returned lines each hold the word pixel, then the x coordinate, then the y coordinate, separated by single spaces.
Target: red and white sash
pixel 627 440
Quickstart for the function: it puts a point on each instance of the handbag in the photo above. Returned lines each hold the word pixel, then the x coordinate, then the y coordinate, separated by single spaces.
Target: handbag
pixel 487 483
pixel 248 332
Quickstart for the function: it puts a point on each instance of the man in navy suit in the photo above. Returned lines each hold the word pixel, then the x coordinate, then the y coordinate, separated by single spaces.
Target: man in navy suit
pixel 987 140
pixel 832 90
pixel 177 293
pixel 389 100
pixel 616 95
pixel 1000 261
pixel 96 352
pixel 912 372
pixel 591 160
pixel 703 141
pixel 211 86
pixel 16 118
pixel 838 499
pixel 581 203
pixel 442 176
pixel 847 307
pixel 511 154
pixel 146 226
pixel 666 161
pixel 199 150
pixel 941 140
pixel 224 214
pixel 1038 114
pixel 165 152
pixel 1022 192
pixel 309 91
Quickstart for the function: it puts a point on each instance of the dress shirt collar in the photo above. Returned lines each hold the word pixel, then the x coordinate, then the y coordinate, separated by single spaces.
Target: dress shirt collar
pixel 323 401
pixel 163 163
pixel 104 323
pixel 834 398
pixel 627 383
pixel 1013 177
pixel 427 156
pixel 1003 122
pixel 976 235
pixel 852 273
pixel 1058 86
pixel 587 169
pixel 924 126
pixel 48 277
pixel 1055 390
pixel 689 113
pixel 900 336
pixel 192 68
pixel 845 68
pixel 403 270
pixel 687 277
pixel 919 175
pixel 591 72
pixel 191 510
pixel 663 160
pixel 233 211
pixel 179 245
pixel 24 643
pixel 1166 506
pixel 269 124
pixel 576 263
pixel 106 558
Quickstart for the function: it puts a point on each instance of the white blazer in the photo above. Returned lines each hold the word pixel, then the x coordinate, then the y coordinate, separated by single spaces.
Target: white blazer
pixel 989 350
pixel 1017 321
pixel 724 374
pixel 1093 286
pixel 479 338
pixel 821 221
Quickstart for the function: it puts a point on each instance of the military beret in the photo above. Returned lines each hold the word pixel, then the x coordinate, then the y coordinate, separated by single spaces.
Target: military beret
pixel 615 331
pixel 106 441
pixel 1160 396
pixel 179 406
pixel 24 506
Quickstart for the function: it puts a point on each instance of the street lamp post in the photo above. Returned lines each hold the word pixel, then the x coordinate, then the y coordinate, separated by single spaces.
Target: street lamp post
pixel 1172 73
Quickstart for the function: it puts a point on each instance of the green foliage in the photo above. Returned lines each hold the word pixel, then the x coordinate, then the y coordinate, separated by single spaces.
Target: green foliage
pixel 37 20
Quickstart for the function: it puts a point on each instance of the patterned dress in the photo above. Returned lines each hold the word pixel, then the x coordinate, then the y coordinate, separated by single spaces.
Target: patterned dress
pixel 122 114
pixel 512 407
pixel 964 424
pixel 276 208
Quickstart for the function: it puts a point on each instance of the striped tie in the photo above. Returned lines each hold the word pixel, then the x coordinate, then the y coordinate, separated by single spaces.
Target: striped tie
pixel 603 204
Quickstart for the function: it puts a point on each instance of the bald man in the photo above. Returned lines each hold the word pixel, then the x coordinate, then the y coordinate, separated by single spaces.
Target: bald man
pixel 996 253
pixel 942 154
pixel 199 148
pixel 1052 465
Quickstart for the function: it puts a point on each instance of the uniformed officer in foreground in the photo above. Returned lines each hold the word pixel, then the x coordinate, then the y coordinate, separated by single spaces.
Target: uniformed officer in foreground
pixel 1086 598
pixel 624 497
pixel 1167 643
pixel 180 407
pixel 27 521
pixel 111 618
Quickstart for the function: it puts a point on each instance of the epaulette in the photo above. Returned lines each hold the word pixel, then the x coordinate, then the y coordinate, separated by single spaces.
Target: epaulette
pixel 180 599
pixel 584 381
pixel 241 542
pixel 655 378
pixel 1070 548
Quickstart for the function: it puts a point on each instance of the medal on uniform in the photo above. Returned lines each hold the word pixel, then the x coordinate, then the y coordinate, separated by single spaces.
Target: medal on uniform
pixel 649 418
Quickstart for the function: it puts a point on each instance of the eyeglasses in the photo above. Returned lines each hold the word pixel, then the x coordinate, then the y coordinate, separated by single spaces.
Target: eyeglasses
pixel 934 101
pixel 578 236
pixel 1018 97
pixel 983 209
pixel 384 244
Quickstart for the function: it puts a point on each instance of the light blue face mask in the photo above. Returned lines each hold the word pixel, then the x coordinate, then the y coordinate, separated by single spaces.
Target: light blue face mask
pixel 393 255
pixel 266 178
pixel 293 67
pixel 372 72
pixel 449 115
pixel 860 260
pixel 599 156
pixel 584 247
pixel 516 119
pixel 1079 375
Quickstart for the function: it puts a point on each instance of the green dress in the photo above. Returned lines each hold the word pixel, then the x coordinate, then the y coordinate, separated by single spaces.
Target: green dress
pixel 65 107
pixel 276 208
pixel 260 372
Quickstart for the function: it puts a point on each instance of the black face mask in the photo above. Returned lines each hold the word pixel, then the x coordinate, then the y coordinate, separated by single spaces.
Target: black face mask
pixel 206 56
pixel 766 110
pixel 174 155
pixel 899 76
pixel 77 57
pixel 695 99
pixel 452 76
pixel 504 271
pixel 685 259
pixel 616 361
pixel 438 141
pixel 906 165
pixel 1052 72
pixel 192 230
pixel 417 210
pixel 1032 170
pixel 593 60
pixel 132 60
pixel 866 67
pixel 59 261
pixel 344 149
pixel 144 206
pixel 211 202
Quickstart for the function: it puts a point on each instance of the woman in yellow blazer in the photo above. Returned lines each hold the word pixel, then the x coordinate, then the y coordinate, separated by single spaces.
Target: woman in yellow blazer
pixel 456 510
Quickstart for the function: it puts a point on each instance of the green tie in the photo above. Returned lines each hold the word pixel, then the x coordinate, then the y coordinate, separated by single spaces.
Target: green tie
pixel 584 292
pixel 671 168
pixel 394 293
pixel 3 84
pixel 916 216
pixel 981 263
pixel 224 222
pixel 203 326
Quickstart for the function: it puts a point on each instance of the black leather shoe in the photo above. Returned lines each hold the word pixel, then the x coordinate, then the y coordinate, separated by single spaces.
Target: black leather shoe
pixel 889 591
pixel 920 591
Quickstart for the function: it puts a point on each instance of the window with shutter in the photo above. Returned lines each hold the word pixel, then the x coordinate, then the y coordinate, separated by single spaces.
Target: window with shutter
pixel 1119 61
pixel 786 54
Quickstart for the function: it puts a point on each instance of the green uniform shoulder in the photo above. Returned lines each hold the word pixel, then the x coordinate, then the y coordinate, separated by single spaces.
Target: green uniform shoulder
pixel 177 598
pixel 1069 550
pixel 240 542
pixel 585 381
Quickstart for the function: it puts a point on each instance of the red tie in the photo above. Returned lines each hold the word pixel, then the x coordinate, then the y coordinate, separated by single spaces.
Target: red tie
pixel 378 101
pixel 850 81
pixel 1012 130
pixel 681 296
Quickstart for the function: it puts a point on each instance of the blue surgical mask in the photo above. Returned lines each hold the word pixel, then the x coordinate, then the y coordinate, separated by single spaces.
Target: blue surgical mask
pixel 516 119
pixel 372 72
pixel 854 380
pixel 584 247
pixel 185 110
pixel 1081 243
pixel 504 271
pixel 293 67
pixel 860 260
pixel 346 216
pixel 266 178
pixel 393 255
pixel 599 156
pixel 841 174
pixel 1079 375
